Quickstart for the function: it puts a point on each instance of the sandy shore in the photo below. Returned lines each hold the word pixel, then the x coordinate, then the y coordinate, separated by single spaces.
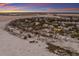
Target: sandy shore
pixel 13 46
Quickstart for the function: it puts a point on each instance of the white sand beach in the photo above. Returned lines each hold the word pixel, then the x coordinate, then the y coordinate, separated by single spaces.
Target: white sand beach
pixel 13 46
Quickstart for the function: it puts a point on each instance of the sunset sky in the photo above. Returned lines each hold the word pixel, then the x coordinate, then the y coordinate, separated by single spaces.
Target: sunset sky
pixel 39 7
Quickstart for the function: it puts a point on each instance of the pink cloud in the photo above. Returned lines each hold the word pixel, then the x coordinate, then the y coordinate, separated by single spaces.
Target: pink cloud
pixel 62 9
pixel 11 8
pixel 3 4
pixel 70 8
pixel 53 9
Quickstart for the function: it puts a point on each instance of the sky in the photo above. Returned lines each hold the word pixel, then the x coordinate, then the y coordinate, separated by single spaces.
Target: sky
pixel 39 7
